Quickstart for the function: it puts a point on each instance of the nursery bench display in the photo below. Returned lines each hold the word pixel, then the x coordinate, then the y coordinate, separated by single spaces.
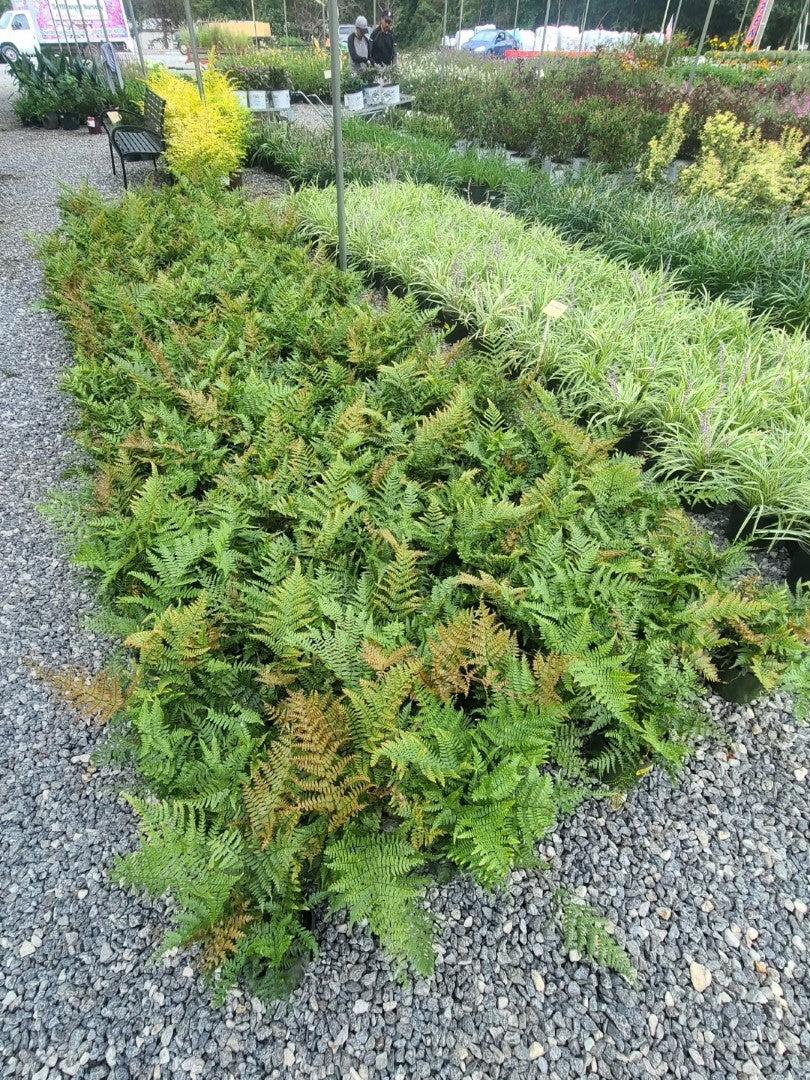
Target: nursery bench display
pixel 139 140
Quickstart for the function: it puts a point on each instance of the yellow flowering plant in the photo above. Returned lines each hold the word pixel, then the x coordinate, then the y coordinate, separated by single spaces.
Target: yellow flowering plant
pixel 206 142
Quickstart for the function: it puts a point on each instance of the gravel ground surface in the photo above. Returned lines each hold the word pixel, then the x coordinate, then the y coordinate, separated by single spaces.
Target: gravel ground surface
pixel 706 881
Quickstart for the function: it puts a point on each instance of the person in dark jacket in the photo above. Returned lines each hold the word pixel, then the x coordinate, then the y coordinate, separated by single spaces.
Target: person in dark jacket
pixel 383 46
pixel 359 46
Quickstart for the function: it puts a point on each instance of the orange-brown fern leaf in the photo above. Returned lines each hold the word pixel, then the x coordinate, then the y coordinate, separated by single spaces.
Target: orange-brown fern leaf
pixel 491 644
pixel 95 697
pixel 548 669
pixel 221 940
pixel 449 666
pixel 379 660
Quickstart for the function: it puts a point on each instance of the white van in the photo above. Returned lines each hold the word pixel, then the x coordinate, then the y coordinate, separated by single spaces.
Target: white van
pixel 38 24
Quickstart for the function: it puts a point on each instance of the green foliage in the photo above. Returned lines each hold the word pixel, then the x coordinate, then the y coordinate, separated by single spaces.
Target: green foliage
pixel 589 934
pixel 385 609
pixel 736 164
pixel 701 379
pixel 61 83
pixel 663 149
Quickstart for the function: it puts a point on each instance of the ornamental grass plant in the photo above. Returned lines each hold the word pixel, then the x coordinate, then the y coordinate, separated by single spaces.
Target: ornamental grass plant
pixel 381 607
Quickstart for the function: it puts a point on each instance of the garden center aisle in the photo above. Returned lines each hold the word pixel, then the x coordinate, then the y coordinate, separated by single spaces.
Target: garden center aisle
pixel 705 880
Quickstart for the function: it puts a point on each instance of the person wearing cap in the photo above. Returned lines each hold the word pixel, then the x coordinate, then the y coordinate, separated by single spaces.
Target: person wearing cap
pixel 383 46
pixel 359 47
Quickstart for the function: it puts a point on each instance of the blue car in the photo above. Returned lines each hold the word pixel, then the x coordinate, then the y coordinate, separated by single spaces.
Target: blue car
pixel 491 43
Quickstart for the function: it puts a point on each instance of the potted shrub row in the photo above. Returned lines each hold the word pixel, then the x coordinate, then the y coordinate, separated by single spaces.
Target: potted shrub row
pixel 369 89
pixel 261 88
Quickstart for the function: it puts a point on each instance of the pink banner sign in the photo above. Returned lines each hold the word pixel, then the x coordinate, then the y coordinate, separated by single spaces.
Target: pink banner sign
pixel 76 20
pixel 757 19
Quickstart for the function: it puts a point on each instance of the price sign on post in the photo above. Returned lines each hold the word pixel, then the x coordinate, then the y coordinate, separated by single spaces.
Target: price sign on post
pixel 553 310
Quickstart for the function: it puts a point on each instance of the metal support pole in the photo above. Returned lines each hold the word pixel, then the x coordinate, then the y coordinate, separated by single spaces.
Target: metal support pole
pixel 674 30
pixel 703 33
pixel 517 9
pixel 86 29
pixel 64 28
pixel 584 24
pixel 545 27
pixel 460 23
pixel 286 27
pixel 664 20
pixel 334 55
pixel 444 25
pixel 192 40
pixel 72 28
pixel 742 20
pixel 253 16
pixel 798 36
pixel 129 12
pixel 103 21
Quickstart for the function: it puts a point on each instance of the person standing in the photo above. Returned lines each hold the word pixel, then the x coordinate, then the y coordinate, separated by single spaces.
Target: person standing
pixel 383 45
pixel 359 47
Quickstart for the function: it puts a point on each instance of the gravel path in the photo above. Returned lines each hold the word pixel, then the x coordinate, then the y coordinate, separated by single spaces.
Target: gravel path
pixel 711 873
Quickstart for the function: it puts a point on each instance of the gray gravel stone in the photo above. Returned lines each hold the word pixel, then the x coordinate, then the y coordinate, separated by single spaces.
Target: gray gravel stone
pixel 676 868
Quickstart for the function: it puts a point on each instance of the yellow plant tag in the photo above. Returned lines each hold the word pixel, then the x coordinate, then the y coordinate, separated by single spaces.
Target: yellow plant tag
pixel 554 309
pixel 114 116
pixel 327 75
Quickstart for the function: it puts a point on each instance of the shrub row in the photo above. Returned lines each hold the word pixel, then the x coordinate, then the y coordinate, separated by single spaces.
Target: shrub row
pixel 385 609
pixel 595 107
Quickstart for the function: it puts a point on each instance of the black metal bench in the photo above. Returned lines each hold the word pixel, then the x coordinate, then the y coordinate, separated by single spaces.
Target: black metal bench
pixel 137 136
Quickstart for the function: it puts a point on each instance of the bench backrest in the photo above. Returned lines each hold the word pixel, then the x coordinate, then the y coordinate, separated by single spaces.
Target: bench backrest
pixel 154 109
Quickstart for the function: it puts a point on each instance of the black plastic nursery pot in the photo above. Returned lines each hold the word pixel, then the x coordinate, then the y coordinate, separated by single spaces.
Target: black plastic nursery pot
pixel 737 686
pixel 799 565
pixel 631 443
pixel 70 122
pixel 745 525
pixel 50 121
pixel 476 193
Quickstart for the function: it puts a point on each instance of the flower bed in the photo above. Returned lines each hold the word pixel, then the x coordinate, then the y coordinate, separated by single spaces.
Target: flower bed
pixel 383 607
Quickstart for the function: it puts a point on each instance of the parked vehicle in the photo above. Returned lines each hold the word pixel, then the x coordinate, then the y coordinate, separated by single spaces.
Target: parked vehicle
pixel 491 42
pixel 40 24
pixel 345 30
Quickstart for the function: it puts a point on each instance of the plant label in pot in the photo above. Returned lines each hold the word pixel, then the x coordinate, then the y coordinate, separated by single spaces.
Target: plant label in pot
pixel 353 101
pixel 372 95
pixel 280 98
pixel 257 100
pixel 390 95
pixel 242 97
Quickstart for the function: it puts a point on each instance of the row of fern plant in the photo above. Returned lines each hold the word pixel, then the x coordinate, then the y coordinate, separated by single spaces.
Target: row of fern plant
pixel 381 608
pixel 724 400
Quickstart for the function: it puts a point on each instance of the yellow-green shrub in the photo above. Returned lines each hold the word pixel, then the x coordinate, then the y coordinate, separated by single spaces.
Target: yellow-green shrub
pixel 663 149
pixel 205 141
pixel 738 165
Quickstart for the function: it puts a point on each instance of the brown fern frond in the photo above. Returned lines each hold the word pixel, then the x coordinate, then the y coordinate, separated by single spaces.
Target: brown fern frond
pixel 203 407
pixel 97 697
pixel 376 657
pixel 221 940
pixel 548 669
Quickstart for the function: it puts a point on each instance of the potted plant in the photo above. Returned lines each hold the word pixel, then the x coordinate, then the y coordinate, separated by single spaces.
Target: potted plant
pixel 390 90
pixel 372 87
pixel 353 92
pixel 280 97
